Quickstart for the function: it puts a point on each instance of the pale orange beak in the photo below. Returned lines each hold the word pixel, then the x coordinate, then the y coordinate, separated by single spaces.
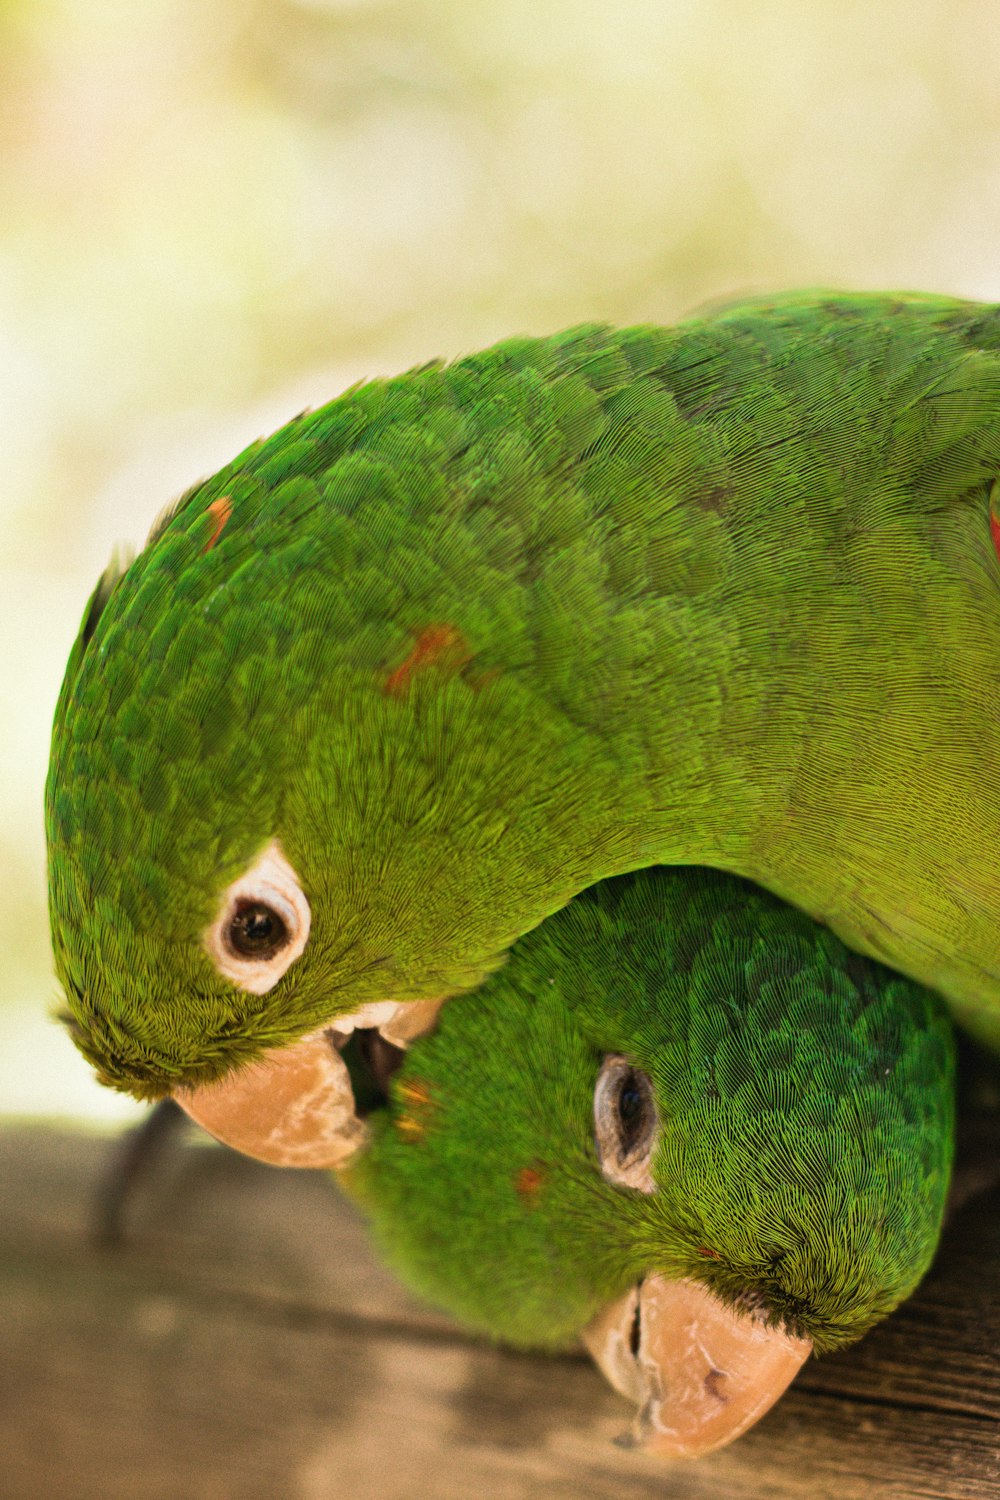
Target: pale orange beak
pixel 295 1107
pixel 701 1373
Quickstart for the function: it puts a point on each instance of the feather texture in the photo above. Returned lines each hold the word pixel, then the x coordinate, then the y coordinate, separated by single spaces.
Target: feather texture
pixel 469 640
pixel 805 1103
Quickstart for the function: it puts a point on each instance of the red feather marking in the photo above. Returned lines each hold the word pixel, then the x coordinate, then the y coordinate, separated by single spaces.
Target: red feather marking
pixel 435 645
pixel 528 1182
pixel 220 510
pixel 995 516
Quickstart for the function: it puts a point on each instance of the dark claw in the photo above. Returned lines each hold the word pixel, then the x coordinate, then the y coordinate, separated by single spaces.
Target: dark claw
pixel 134 1158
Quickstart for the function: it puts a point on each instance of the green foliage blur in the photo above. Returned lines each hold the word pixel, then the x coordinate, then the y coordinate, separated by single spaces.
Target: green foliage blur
pixel 212 215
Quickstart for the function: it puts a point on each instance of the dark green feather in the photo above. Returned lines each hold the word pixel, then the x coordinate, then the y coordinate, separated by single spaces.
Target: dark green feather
pixel 806 1104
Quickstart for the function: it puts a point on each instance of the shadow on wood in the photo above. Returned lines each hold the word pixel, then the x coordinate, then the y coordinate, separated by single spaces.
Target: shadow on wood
pixel 243 1345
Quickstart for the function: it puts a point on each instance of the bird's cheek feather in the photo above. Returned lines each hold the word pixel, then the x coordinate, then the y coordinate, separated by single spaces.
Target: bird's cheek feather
pixel 701 1373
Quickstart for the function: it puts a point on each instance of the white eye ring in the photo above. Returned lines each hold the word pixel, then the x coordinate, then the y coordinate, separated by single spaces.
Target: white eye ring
pixel 272 883
pixel 625 1148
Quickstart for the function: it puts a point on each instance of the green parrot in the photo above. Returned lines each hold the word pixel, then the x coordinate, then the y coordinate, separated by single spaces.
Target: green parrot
pixel 398 682
pixel 683 1120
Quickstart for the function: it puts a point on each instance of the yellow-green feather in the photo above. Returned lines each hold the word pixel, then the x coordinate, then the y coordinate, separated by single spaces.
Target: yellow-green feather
pixel 723 593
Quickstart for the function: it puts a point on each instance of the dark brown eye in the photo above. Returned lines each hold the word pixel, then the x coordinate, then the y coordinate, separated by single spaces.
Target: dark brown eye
pixel 262 923
pixel 626 1124
pixel 256 931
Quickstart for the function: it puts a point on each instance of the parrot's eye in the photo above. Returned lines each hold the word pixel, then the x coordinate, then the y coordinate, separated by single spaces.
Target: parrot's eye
pixel 256 931
pixel 263 924
pixel 626 1124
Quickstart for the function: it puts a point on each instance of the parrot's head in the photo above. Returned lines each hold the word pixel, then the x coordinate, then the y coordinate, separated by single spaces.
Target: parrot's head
pixel 210 890
pixel 290 777
pixel 683 1121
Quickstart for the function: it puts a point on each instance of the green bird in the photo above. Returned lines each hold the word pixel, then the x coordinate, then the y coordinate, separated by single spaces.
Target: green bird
pixel 398 682
pixel 684 1121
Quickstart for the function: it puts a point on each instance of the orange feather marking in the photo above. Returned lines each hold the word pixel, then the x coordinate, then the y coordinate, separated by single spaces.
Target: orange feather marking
pixel 415 1091
pixel 416 1096
pixel 435 645
pixel 220 510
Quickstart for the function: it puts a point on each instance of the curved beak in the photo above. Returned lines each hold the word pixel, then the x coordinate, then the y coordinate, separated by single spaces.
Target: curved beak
pixel 701 1373
pixel 294 1107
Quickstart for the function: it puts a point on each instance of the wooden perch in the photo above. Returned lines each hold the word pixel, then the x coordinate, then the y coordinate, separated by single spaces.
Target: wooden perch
pixel 243 1344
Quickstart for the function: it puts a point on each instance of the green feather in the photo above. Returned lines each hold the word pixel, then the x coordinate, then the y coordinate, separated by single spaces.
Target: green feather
pixel 469 640
pixel 805 1098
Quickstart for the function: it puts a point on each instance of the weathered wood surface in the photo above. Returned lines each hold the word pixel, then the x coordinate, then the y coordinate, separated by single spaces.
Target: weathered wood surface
pixel 243 1345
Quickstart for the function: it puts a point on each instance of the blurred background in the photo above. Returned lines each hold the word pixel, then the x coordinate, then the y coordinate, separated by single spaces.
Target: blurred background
pixel 214 215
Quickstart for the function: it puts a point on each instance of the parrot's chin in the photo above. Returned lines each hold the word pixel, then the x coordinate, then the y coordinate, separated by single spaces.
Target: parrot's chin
pixel 701 1372
pixel 295 1106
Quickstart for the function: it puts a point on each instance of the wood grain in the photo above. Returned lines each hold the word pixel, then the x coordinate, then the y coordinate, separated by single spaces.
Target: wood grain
pixel 244 1345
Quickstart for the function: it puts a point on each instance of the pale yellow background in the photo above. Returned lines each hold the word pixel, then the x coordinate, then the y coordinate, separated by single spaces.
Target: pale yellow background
pixel 215 212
